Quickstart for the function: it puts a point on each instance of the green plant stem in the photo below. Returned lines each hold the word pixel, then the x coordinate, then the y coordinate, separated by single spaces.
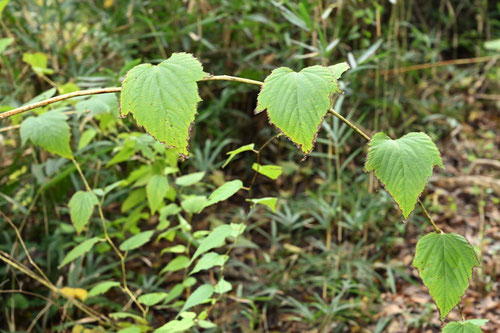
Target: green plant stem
pixel 429 217
pixel 112 244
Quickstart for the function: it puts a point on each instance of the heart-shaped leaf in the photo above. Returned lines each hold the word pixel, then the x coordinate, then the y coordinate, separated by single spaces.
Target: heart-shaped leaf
pixel 163 98
pixel 403 165
pixel 296 103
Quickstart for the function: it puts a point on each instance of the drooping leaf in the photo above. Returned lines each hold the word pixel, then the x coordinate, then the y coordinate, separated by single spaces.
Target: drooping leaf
pixel 163 98
pixel 224 192
pixel 296 103
pixel 152 298
pixel 80 250
pixel 200 295
pixel 190 179
pixel 50 131
pixel 217 237
pixel 403 165
pixel 156 190
pixel 81 206
pixel 271 171
pixel 269 202
pixel 461 327
pixel 102 288
pixel 235 152
pixel 136 241
pixel 445 263
pixel 209 260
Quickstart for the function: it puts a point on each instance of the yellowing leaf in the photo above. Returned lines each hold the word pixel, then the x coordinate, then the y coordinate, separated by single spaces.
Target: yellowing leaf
pixel 78 293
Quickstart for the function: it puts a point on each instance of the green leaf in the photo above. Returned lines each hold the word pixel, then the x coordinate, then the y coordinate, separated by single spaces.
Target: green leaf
pixel 99 104
pixel 209 260
pixel 190 179
pixel 296 103
pixel 235 152
pixel 156 190
pixel 86 138
pixel 136 241
pixel 194 204
pixel 461 327
pixel 271 171
pixel 269 202
pixel 50 131
pixel 176 264
pixel 200 295
pixel 81 206
pixel 478 322
pixel 217 238
pixel 152 298
pixel 403 165
pixel 102 288
pixel 3 4
pixel 5 42
pixel 445 263
pixel 38 62
pixel 493 45
pixel 175 326
pixel 80 250
pixel 224 192
pixel 339 69
pixel 163 98
pixel 223 287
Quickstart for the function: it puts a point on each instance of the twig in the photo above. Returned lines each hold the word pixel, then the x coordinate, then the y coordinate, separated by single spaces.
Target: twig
pixel 59 98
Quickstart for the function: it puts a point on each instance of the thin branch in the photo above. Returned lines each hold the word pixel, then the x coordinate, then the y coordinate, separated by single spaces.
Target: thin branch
pixel 351 125
pixel 59 98
pixel 429 217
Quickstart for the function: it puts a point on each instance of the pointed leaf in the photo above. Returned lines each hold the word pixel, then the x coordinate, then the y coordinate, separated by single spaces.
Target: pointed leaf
pixel 156 190
pixel 217 237
pixel 80 250
pixel 235 152
pixel 190 179
pixel 403 165
pixel 445 263
pixel 136 241
pixel 200 295
pixel 102 288
pixel 152 298
pixel 224 192
pixel 163 98
pixel 176 264
pixel 209 260
pixel 296 103
pixel 271 171
pixel 269 202
pixel 50 131
pixel 81 206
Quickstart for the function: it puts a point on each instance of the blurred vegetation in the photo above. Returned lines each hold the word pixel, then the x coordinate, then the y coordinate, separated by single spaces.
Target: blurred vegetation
pixel 291 272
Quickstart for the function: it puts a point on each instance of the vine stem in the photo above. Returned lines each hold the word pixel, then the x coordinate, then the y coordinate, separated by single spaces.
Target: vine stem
pixel 79 93
pixel 110 242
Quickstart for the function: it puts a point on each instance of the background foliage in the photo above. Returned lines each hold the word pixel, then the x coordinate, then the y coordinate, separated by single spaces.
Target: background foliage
pixel 335 254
